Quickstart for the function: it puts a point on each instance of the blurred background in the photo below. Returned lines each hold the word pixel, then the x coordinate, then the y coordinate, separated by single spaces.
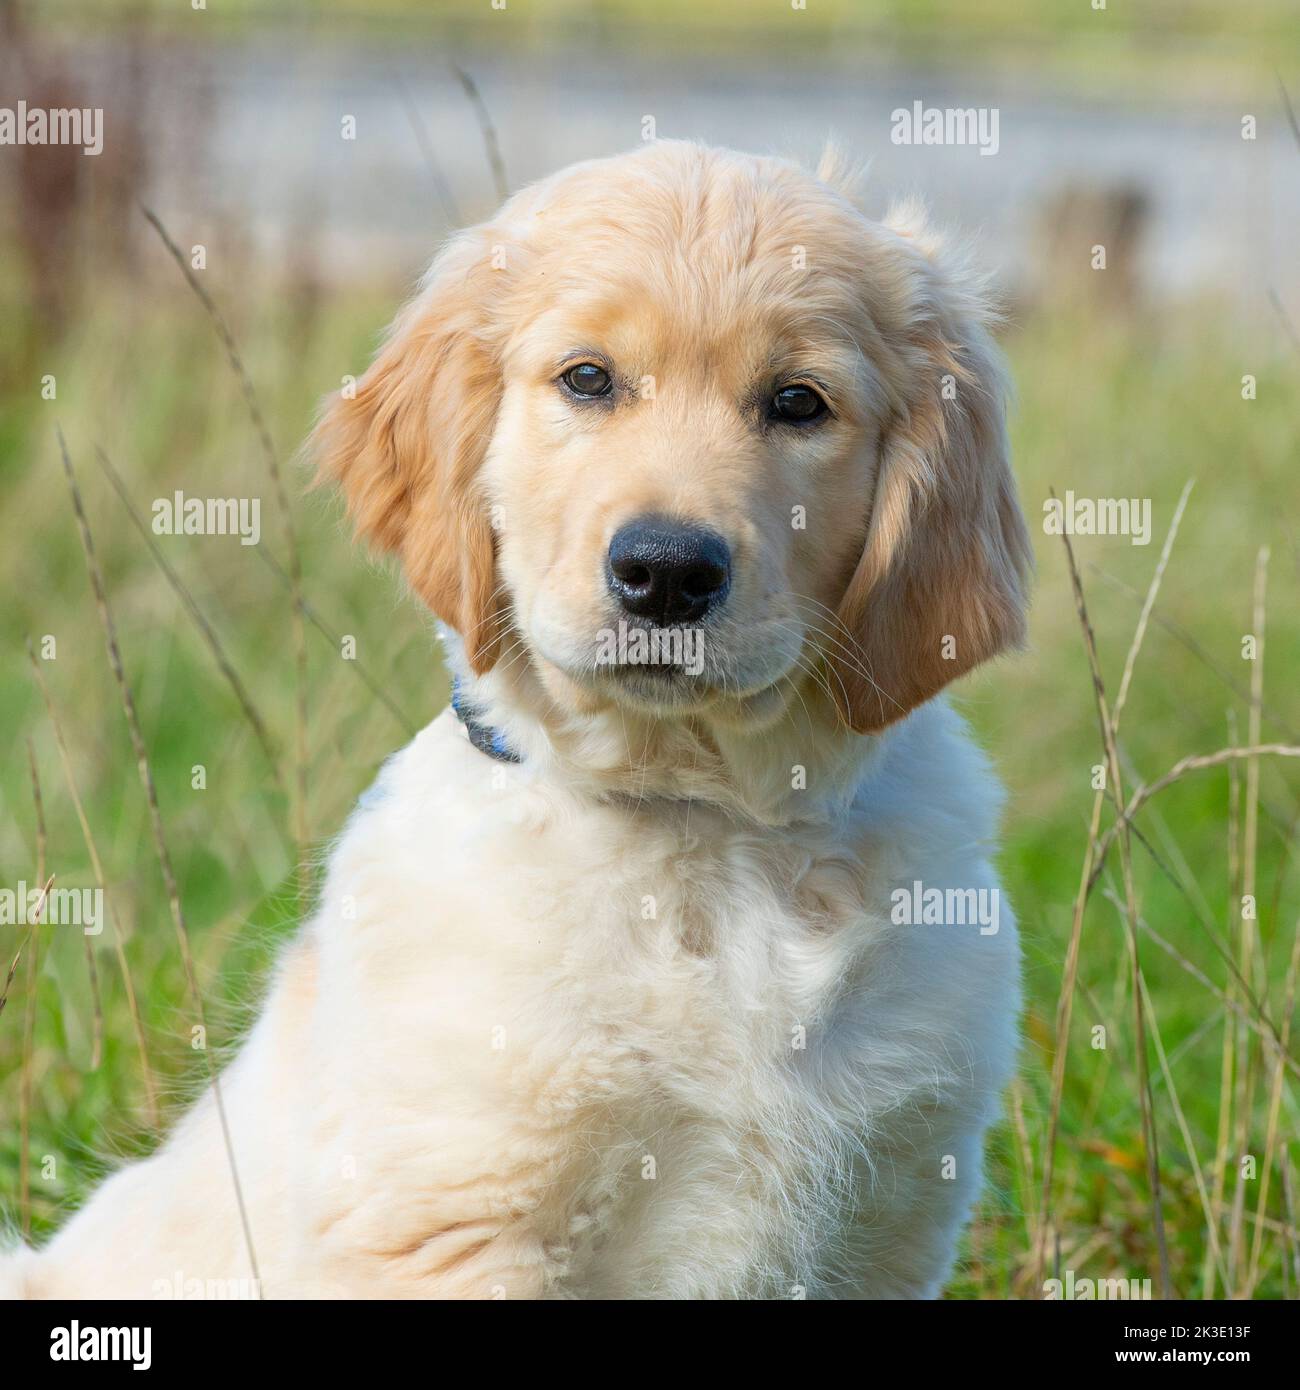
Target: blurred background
pixel 305 160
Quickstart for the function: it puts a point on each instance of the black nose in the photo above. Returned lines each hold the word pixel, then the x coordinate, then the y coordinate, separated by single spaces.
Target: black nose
pixel 668 572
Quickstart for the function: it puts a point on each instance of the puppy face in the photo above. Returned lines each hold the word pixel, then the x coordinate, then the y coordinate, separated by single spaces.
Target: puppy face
pixel 683 430
pixel 683 447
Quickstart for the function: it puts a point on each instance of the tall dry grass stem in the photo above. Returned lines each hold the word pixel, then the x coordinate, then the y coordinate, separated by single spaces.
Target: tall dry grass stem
pixel 29 1015
pixel 491 144
pixel 101 881
pixel 1274 1112
pixel 22 945
pixel 159 838
pixel 1065 1003
pixel 263 433
pixel 1115 778
pixel 199 618
pixel 450 209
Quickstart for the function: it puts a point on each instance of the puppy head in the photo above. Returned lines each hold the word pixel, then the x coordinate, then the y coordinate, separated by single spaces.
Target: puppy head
pixel 693 432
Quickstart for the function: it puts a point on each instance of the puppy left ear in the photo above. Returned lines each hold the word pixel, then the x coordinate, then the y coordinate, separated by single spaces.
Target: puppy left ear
pixel 941 583
pixel 405 448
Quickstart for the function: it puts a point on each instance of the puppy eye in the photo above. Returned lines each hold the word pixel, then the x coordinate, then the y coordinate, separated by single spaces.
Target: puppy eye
pixel 797 405
pixel 587 379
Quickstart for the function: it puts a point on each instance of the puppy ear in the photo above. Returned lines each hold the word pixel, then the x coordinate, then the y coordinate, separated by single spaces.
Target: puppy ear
pixel 941 583
pixel 407 447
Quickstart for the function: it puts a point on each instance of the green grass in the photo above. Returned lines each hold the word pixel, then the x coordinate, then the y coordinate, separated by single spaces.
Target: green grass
pixel 1127 407
pixel 1158 47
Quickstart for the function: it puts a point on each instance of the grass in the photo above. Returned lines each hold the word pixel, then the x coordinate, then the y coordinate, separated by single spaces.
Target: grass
pixel 1161 48
pixel 1136 410
pixel 1129 406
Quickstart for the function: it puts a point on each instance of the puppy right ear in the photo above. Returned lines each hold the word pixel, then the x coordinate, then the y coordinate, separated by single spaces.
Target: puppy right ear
pixel 406 446
pixel 941 585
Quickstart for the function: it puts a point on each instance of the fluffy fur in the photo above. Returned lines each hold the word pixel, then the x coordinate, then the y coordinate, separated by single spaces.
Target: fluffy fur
pixel 631 1018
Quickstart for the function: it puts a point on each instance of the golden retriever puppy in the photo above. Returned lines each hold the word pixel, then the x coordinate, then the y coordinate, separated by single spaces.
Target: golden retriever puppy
pixel 671 963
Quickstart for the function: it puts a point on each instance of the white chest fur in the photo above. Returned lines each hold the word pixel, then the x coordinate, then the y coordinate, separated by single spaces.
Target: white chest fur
pixel 582 1050
pixel 531 1045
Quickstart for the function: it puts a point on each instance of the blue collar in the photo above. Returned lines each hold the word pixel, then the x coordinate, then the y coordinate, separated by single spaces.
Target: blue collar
pixel 483 736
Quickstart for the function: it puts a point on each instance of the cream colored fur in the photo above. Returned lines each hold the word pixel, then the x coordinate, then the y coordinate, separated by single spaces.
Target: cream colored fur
pixel 631 1019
